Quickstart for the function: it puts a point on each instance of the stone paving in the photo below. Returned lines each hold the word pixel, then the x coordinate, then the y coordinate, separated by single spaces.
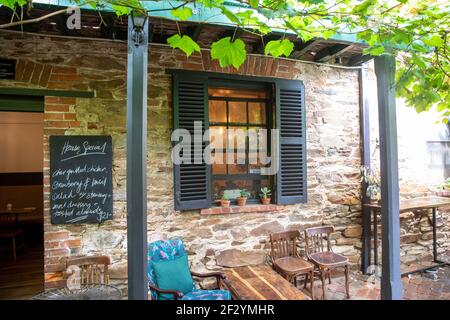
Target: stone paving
pixel 417 286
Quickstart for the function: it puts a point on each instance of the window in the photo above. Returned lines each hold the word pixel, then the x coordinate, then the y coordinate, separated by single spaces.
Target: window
pixel 438 159
pixel 247 105
pixel 234 116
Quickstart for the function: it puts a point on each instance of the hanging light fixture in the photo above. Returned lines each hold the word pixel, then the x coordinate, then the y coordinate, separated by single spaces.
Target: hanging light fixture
pixel 139 21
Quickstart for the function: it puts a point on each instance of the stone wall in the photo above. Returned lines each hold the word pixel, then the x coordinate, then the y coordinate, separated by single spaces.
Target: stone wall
pixel 226 239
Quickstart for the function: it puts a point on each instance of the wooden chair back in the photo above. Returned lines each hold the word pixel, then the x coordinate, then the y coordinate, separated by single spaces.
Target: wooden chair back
pixel 318 239
pixel 7 222
pixel 284 244
pixel 93 270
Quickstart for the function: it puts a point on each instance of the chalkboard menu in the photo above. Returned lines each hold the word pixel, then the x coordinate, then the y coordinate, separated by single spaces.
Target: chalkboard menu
pixel 80 179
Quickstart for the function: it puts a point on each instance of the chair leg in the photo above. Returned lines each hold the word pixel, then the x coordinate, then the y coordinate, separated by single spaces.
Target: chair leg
pixel 329 276
pixel 23 244
pixel 295 281
pixel 312 284
pixel 14 248
pixel 306 281
pixel 347 286
pixel 322 276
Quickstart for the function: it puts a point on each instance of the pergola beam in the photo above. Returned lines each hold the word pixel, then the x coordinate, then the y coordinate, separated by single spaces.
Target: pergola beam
pixel 328 53
pixel 137 163
pixel 391 283
pixel 302 49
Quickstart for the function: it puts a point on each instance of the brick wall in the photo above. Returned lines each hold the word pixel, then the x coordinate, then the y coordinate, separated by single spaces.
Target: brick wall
pixel 333 152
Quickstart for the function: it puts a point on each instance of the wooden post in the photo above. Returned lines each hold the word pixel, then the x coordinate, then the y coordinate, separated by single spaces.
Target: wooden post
pixel 365 161
pixel 391 283
pixel 137 162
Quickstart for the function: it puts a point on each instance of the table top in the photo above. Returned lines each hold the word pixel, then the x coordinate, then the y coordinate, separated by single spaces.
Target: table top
pixel 17 210
pixel 87 292
pixel 260 283
pixel 415 204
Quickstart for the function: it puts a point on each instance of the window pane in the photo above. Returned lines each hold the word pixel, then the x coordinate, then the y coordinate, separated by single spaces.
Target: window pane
pixel 257 112
pixel 257 138
pixel 236 138
pixel 236 162
pixel 232 187
pixel 217 137
pixel 237 93
pixel 217 111
pixel 237 111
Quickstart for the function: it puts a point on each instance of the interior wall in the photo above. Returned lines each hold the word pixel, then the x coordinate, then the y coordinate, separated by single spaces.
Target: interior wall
pixel 21 142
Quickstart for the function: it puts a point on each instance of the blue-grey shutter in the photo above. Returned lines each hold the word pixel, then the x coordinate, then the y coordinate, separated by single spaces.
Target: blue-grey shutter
pixel 291 121
pixel 192 182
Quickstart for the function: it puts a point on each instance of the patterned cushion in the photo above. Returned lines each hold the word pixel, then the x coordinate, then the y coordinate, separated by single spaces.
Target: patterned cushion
pixel 207 295
pixel 162 250
pixel 169 250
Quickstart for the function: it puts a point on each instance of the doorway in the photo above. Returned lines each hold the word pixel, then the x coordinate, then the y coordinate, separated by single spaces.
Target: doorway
pixel 21 196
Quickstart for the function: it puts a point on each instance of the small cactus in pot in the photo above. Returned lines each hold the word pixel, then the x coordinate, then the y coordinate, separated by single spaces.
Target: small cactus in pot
pixel 265 195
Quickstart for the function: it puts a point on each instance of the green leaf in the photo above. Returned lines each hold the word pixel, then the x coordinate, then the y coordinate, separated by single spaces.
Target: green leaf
pixel 277 48
pixel 182 13
pixel 363 7
pixel 184 43
pixel 230 15
pixel 121 10
pixel 434 41
pixel 228 52
pixel 418 61
pixel 374 50
pixel 254 3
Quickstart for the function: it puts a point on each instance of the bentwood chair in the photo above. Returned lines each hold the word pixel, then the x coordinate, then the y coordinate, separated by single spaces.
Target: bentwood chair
pixel 93 269
pixel 319 252
pixel 285 258
pixel 168 265
pixel 8 229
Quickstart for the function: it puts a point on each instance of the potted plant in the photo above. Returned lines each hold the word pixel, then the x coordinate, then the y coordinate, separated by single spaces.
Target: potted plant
pixel 224 201
pixel 372 179
pixel 265 195
pixel 242 199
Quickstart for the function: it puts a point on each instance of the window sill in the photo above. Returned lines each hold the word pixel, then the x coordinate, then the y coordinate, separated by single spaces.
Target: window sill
pixel 242 209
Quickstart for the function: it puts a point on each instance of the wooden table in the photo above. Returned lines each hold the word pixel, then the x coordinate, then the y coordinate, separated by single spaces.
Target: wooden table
pixel 17 211
pixel 260 283
pixel 374 209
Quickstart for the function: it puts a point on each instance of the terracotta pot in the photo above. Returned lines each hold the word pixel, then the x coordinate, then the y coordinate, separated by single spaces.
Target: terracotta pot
pixel 241 201
pixel 225 203
pixel 265 201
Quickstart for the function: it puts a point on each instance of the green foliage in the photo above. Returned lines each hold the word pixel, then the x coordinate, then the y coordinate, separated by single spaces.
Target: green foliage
pixel 417 32
pixel 244 193
pixel 265 192
pixel 229 53
pixel 182 13
pixel 277 48
pixel 184 43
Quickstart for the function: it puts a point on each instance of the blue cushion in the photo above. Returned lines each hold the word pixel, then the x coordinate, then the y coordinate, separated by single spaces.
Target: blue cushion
pixel 173 275
pixel 207 295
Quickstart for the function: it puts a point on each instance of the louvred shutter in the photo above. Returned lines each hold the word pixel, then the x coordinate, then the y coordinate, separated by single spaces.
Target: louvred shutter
pixel 192 182
pixel 291 121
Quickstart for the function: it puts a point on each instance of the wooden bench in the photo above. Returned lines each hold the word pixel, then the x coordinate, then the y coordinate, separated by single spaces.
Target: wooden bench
pixel 260 283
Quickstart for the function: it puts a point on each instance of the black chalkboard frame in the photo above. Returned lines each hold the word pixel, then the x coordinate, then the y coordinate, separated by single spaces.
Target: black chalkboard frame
pixel 104 159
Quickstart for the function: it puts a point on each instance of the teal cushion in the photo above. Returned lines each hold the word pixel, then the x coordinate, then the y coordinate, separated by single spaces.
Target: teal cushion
pixel 173 275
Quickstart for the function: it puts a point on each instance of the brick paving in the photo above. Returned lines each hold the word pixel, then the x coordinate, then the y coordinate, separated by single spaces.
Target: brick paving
pixel 418 286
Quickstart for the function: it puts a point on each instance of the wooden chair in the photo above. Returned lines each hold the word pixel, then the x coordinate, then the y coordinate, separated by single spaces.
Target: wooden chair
pixel 92 269
pixel 8 229
pixel 285 258
pixel 323 256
